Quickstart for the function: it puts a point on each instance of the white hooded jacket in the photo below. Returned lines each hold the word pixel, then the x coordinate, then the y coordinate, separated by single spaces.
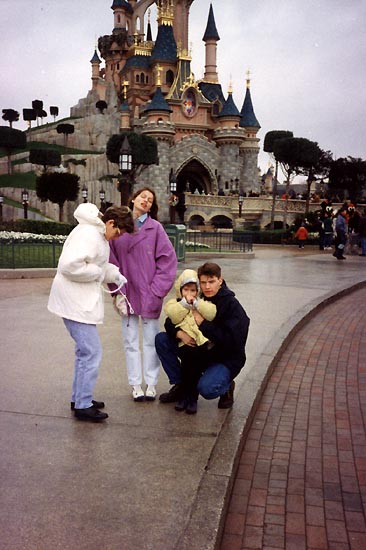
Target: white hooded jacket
pixel 76 292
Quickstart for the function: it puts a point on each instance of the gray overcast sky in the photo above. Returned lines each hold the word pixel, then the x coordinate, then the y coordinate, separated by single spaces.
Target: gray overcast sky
pixel 307 60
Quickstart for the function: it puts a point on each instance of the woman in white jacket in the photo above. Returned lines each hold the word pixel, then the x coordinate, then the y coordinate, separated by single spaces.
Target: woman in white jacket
pixel 76 295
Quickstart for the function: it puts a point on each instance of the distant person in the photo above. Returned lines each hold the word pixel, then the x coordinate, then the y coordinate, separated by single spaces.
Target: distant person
pixel 341 233
pixel 180 312
pixel 301 235
pixel 76 295
pixel 227 332
pixel 149 262
pixel 362 232
pixel 328 230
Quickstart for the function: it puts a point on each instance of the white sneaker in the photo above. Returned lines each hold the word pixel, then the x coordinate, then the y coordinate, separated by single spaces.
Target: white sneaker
pixel 137 393
pixel 150 393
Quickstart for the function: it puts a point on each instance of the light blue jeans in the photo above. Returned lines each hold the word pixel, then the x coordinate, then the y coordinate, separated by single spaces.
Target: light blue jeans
pixel 88 355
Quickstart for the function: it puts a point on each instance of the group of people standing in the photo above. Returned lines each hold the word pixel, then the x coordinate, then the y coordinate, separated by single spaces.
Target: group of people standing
pixel 203 348
pixel 348 226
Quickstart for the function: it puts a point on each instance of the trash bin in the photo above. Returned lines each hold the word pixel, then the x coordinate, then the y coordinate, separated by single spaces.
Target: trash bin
pixel 177 236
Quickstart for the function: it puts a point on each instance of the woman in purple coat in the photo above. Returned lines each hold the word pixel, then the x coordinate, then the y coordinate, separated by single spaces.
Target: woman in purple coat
pixel 148 261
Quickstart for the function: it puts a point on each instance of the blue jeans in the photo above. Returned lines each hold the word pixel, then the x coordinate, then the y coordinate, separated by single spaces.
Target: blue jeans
pixel 88 354
pixel 215 380
pixel 363 245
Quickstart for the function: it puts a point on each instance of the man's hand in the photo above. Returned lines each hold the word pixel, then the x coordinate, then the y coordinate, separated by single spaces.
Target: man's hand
pixel 197 317
pixel 185 338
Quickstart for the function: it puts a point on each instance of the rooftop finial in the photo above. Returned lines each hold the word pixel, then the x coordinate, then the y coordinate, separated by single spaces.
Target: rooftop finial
pixel 248 73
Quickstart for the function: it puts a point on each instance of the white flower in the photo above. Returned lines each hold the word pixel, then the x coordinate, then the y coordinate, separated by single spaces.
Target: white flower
pixel 10 236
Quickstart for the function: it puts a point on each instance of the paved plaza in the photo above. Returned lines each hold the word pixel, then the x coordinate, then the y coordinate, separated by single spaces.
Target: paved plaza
pixel 149 477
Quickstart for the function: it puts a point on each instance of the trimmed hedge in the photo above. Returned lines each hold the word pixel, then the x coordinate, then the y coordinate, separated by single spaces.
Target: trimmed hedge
pixel 39 227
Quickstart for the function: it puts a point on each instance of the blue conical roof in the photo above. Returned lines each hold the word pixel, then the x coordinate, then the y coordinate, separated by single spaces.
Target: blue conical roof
pixel 229 109
pixel 211 31
pixel 247 115
pixel 165 48
pixel 124 106
pixel 122 4
pixel 158 103
pixel 95 58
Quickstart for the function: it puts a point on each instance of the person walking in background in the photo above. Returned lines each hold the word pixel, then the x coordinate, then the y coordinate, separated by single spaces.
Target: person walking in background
pixel 362 233
pixel 301 235
pixel 328 230
pixel 76 295
pixel 149 262
pixel 341 234
pixel 193 343
pixel 228 332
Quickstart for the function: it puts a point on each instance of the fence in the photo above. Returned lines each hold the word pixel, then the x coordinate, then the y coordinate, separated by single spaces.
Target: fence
pixel 21 255
pixel 217 241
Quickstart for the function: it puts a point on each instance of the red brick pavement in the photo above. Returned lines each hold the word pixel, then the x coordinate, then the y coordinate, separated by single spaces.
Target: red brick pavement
pixel 301 481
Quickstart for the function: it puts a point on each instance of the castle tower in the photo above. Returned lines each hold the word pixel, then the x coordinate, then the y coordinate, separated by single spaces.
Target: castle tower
pixel 249 148
pixel 211 37
pixel 122 11
pixel 95 63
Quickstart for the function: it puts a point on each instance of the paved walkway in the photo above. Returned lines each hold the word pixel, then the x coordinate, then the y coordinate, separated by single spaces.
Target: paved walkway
pixel 149 477
pixel 301 481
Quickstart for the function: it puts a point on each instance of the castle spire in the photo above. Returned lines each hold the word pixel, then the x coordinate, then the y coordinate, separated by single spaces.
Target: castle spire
pixel 211 37
pixel 248 118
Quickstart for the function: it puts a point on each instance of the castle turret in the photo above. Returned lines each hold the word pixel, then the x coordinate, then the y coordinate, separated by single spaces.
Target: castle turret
pixel 122 11
pixel 229 115
pixel 95 63
pixel 211 37
pixel 249 149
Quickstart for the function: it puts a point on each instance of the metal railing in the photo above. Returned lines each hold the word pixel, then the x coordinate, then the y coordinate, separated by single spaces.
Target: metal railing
pixel 21 255
pixel 217 241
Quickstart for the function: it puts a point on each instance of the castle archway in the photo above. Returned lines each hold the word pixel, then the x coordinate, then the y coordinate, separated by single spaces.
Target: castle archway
pixel 194 178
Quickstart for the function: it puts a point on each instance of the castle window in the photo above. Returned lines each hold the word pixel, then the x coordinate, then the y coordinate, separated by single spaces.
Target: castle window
pixel 147 79
pixel 142 78
pixel 169 77
pixel 137 78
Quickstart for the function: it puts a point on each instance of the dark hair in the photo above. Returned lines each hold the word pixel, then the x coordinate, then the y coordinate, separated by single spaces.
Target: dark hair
pixel 209 269
pixel 153 213
pixel 122 217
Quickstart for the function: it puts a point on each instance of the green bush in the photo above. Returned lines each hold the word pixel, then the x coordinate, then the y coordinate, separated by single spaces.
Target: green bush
pixel 38 227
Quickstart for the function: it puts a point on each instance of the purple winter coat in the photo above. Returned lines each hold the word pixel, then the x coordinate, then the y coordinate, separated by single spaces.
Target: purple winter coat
pixel 148 261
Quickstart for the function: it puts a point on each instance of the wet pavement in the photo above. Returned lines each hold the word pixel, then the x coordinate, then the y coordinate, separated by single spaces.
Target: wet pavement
pixel 149 477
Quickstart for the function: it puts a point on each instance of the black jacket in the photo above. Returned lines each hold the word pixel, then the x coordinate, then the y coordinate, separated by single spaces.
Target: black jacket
pixel 228 331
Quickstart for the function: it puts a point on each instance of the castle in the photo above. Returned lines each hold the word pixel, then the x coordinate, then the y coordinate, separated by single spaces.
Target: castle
pixel 148 86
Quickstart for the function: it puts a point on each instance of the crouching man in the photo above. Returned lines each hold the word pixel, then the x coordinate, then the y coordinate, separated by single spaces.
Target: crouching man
pixel 227 332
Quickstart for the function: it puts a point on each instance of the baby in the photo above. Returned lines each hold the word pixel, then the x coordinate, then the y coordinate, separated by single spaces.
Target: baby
pixel 191 340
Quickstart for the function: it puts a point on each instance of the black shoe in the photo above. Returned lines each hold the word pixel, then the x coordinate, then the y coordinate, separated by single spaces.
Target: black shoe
pixel 96 404
pixel 91 414
pixel 341 258
pixel 191 407
pixel 173 395
pixel 226 401
pixel 181 405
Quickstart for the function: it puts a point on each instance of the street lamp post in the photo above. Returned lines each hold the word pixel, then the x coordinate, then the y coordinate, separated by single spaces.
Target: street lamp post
pixel 25 199
pixel 102 197
pixel 125 168
pixel 240 201
pixel 1 207
pixel 173 200
pixel 84 193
